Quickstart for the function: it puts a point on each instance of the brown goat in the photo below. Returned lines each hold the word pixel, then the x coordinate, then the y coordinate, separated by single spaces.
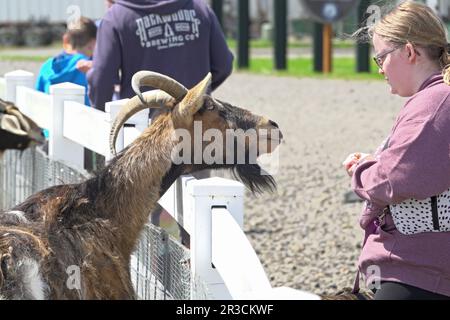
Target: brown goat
pixel 95 225
pixel 17 131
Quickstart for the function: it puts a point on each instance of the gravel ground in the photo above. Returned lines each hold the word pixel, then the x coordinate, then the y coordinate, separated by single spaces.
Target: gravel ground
pixel 304 234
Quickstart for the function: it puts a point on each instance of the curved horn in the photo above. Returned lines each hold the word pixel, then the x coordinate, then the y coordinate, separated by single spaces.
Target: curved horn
pixel 158 81
pixel 15 112
pixel 11 124
pixel 193 100
pixel 151 99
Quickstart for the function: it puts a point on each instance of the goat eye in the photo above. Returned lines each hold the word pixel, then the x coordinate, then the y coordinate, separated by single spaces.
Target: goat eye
pixel 210 107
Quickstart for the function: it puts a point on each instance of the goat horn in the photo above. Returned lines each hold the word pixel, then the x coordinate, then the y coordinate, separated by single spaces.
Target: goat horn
pixel 193 100
pixel 23 123
pixel 158 81
pixel 151 99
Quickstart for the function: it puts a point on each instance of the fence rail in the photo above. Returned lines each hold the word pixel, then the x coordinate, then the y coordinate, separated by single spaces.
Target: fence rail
pixel 2 87
pixel 161 266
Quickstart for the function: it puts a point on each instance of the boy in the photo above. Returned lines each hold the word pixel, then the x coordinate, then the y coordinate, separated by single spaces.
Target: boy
pixel 72 64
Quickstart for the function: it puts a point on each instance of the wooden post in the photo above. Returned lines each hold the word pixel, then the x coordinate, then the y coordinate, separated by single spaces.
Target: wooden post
pixel 318 47
pixel 327 48
pixel 280 39
pixel 217 6
pixel 243 33
pixel 363 49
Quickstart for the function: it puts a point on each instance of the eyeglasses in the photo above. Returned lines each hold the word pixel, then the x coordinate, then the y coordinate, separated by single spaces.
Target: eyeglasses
pixel 379 59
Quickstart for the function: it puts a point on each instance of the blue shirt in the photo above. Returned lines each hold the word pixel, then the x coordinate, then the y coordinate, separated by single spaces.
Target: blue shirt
pixel 62 68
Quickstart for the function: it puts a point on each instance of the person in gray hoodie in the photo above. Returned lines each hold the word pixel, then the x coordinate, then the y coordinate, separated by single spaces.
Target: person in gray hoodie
pixel 179 38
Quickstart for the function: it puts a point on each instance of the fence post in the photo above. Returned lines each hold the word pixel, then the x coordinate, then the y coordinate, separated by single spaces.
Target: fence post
pixel 17 78
pixel 125 137
pixel 61 148
pixel 203 195
pixel 113 108
pixel 280 34
pixel 243 34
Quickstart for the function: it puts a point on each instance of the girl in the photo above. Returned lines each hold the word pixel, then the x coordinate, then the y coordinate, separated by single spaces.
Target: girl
pixel 406 254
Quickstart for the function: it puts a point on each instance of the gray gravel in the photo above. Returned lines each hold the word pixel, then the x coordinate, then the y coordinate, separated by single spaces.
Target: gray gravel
pixel 7 66
pixel 304 234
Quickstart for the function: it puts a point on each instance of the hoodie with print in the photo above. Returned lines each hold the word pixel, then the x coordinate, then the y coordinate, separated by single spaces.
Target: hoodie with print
pixel 179 38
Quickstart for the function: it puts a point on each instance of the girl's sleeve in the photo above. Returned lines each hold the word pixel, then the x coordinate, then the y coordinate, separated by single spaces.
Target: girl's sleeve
pixel 415 165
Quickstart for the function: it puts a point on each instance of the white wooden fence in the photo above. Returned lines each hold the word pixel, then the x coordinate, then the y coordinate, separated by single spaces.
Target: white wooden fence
pixel 212 209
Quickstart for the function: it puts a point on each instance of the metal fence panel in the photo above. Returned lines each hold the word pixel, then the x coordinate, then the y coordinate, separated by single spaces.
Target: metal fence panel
pixel 160 266
pixel 24 173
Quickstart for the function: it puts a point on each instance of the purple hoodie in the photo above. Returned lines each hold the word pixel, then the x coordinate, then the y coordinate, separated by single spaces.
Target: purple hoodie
pixel 415 164
pixel 179 38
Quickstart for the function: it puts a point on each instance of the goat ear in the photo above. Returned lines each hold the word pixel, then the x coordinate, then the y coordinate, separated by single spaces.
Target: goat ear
pixel 194 99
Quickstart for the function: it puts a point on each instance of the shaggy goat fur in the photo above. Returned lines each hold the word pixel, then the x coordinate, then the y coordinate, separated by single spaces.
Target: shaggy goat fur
pixel 95 225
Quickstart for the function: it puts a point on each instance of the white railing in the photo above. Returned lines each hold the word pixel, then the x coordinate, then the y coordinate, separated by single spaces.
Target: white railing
pixel 211 210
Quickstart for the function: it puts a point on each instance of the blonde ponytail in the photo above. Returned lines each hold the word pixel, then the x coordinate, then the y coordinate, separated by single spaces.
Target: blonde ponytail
pixel 445 64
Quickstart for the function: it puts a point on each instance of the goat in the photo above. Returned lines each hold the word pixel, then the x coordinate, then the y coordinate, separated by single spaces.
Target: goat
pixel 17 131
pixel 93 227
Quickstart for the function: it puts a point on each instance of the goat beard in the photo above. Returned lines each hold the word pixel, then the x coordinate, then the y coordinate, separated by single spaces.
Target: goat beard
pixel 251 175
pixel 254 178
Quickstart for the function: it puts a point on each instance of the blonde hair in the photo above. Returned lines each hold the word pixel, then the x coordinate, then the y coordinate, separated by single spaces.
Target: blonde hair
pixel 416 23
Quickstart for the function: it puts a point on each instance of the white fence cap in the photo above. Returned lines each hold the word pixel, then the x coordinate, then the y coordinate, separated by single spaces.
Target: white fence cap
pixel 67 88
pixel 19 74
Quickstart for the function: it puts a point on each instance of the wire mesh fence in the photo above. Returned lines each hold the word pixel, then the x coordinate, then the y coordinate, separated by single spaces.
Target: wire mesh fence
pixel 166 276
pixel 26 172
pixel 160 266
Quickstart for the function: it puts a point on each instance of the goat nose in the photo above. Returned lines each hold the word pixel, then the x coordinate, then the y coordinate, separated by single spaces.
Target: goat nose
pixel 273 123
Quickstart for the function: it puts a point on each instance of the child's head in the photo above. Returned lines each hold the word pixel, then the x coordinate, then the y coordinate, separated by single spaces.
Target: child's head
pixel 81 36
pixel 416 24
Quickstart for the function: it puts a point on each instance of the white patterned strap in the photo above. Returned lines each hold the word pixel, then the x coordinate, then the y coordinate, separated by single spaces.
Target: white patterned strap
pixel 416 216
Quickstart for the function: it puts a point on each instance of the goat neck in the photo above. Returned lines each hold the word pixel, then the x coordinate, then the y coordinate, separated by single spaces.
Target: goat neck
pixel 134 180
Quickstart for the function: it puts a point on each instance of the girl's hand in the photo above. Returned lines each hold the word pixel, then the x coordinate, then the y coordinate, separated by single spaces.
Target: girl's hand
pixel 353 160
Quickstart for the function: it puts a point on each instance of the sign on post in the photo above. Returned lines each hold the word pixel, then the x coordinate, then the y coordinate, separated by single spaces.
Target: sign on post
pixel 329 11
pixel 326 12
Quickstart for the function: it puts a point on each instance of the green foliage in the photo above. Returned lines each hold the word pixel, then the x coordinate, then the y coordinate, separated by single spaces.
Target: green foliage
pixel 343 68
pixel 10 57
pixel 267 44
